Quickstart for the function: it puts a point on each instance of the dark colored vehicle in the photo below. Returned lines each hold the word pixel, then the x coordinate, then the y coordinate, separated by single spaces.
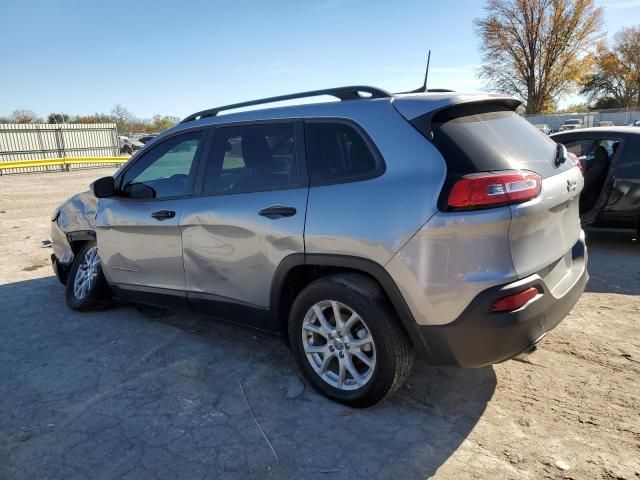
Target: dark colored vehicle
pixel 610 157
pixel 146 139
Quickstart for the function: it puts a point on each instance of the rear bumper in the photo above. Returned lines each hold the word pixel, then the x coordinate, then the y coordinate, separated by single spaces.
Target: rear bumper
pixel 479 337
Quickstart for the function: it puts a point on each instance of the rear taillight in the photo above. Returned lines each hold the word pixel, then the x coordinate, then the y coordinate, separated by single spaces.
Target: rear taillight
pixel 514 301
pixel 482 190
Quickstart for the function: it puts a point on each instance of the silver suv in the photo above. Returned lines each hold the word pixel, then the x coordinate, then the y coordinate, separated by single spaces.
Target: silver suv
pixel 366 229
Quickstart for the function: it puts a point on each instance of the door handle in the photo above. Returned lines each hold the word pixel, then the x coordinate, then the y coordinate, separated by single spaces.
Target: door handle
pixel 163 214
pixel 277 211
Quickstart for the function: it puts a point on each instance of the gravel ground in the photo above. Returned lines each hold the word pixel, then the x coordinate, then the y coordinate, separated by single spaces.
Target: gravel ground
pixel 129 393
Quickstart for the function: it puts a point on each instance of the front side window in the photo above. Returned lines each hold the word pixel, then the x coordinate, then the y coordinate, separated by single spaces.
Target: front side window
pixel 165 171
pixel 251 158
pixel 337 152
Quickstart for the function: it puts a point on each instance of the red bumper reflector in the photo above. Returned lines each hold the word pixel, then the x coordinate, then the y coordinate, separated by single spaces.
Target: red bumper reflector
pixel 514 301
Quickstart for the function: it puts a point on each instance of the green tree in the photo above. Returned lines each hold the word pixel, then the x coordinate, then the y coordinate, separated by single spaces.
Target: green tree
pixel 575 108
pixel 58 118
pixel 536 49
pixel 160 123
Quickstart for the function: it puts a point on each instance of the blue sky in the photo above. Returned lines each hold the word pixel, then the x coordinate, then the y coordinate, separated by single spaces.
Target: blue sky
pixel 178 57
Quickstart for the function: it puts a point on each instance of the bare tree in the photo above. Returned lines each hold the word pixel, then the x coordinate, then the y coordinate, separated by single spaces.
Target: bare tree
pixel 122 117
pixel 537 49
pixel 24 116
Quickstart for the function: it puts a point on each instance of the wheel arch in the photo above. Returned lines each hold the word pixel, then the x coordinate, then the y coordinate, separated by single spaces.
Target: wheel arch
pixel 78 238
pixel 296 271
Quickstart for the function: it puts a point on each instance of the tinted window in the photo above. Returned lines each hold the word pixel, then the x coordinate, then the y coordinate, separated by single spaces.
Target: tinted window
pixel 251 158
pixel 336 152
pixel 480 138
pixel 164 171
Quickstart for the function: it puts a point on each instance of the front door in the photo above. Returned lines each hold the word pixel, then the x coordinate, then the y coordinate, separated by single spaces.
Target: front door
pixel 138 230
pixel 248 217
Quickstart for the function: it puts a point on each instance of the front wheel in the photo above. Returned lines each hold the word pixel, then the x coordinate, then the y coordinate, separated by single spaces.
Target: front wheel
pixel 347 340
pixel 86 287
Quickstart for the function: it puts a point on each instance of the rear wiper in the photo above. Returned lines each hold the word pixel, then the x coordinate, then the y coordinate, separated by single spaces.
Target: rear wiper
pixel 561 155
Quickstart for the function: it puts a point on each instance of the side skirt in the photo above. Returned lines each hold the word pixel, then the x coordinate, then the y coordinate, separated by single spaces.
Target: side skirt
pixel 213 306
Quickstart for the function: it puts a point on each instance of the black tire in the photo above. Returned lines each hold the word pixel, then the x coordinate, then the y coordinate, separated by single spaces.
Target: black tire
pixel 97 295
pixel 393 349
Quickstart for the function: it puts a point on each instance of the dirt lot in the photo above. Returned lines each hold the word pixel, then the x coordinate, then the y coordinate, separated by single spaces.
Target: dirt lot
pixel 130 394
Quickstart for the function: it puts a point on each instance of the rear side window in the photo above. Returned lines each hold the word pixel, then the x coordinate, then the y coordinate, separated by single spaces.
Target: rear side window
pixel 482 138
pixel 251 158
pixel 337 152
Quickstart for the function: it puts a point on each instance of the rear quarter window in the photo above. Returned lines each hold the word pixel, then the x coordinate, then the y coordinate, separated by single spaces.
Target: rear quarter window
pixel 338 152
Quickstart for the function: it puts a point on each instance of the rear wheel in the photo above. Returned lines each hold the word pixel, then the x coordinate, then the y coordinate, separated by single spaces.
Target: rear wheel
pixel 347 340
pixel 86 286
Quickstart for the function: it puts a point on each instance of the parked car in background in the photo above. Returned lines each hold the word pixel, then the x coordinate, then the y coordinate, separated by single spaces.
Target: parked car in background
pixel 606 123
pixel 571 124
pixel 367 229
pixel 146 139
pixel 128 145
pixel 543 127
pixel 611 162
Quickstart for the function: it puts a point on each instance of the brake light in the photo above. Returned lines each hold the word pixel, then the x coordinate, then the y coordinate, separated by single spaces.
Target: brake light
pixel 514 301
pixel 480 190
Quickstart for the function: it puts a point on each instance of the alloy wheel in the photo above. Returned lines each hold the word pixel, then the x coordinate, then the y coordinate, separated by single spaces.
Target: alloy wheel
pixel 86 273
pixel 338 345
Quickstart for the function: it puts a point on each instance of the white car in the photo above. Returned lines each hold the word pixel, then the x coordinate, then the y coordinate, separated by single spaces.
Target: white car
pixel 571 124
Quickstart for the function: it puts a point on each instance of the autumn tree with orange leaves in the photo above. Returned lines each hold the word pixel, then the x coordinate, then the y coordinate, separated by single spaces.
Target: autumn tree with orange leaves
pixel 537 50
pixel 615 83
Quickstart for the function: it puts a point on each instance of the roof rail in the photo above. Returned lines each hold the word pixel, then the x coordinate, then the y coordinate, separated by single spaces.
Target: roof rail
pixel 342 93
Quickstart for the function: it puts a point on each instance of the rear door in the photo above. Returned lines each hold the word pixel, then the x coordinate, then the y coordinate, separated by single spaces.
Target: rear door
pixel 248 216
pixel 599 153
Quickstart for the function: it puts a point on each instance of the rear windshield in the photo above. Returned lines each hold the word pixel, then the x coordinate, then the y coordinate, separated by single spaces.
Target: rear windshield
pixel 482 138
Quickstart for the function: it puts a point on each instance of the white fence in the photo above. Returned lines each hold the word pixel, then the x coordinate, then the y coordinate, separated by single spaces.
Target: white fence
pixel 44 142
pixel 619 117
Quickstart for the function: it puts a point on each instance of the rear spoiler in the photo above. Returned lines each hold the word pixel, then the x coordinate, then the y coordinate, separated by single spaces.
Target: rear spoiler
pixel 413 108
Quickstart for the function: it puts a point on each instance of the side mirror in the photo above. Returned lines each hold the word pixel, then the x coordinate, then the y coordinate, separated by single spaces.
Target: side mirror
pixel 104 187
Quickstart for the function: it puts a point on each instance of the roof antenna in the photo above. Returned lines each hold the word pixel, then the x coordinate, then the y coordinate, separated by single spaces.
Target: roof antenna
pixel 426 73
pixel 423 87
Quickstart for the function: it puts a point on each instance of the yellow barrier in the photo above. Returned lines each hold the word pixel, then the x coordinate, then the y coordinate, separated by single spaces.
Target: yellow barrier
pixel 62 162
